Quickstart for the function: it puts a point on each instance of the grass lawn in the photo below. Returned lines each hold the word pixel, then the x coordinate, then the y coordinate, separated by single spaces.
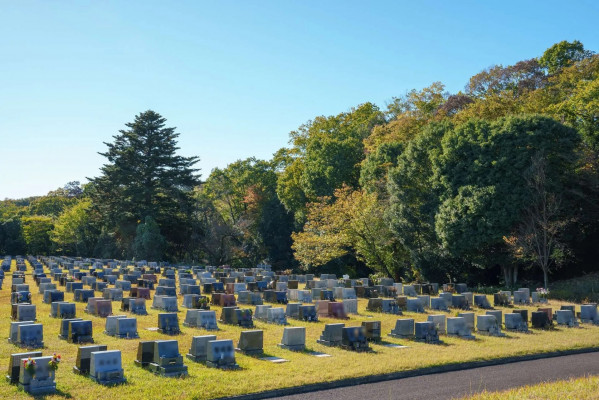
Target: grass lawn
pixel 256 375
pixel 575 389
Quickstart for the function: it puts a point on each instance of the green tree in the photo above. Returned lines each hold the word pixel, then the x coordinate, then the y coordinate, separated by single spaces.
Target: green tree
pixel 11 237
pixel 563 54
pixel 74 232
pixel 144 177
pixel 36 232
pixel 149 244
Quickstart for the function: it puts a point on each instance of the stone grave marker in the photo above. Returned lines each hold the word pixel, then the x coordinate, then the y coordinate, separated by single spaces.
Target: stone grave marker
pixel 488 325
pixel 199 347
pixel 331 335
pixel 308 313
pixel 350 306
pixel 30 336
pixel 469 317
pixel 515 323
pixel 336 310
pixel 439 322
pixel 456 326
pixel 106 367
pixel 354 338
pixel 221 354
pixel 53 295
pixel 41 381
pixel 167 360
pixel 426 332
pixel 168 323
pixel 26 312
pixel 80 331
pixel 372 330
pixel 276 316
pixel 414 305
pixel 294 338
pixel 14 365
pixel 292 310
pixel 251 342
pixel 82 363
pixel 110 327
pixel 404 329
pixel 540 320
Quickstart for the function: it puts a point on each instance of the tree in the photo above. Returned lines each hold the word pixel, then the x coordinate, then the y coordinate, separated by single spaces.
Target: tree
pixel 74 232
pixel 144 177
pixel 11 237
pixel 563 54
pixel 149 243
pixel 537 236
pixel 352 224
pixel 36 232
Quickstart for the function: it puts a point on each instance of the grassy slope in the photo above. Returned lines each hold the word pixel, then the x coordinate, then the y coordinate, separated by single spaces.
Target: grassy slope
pixel 257 375
pixel 580 389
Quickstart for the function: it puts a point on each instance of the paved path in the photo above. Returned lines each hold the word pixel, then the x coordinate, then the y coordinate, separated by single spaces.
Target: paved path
pixel 450 385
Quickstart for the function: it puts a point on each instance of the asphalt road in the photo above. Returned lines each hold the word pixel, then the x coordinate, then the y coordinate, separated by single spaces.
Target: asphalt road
pixel 450 385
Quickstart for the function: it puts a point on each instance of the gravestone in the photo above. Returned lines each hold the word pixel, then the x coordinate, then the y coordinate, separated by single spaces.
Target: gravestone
pixel 481 301
pixel 227 300
pixel 14 365
pixel 460 301
pixel 53 295
pixel 501 299
pixel 469 317
pixel 354 338
pixel 439 322
pixel 26 312
pixel 145 353
pixel 292 310
pixel 260 313
pixel 110 327
pixel 404 329
pixel 199 347
pixel 63 309
pixel 80 331
pixel 308 313
pixel 540 320
pixel 168 323
pixel 409 290
pixel 42 379
pixel 251 342
pixel 113 294
pixel 30 336
pixel 588 313
pixel 565 317
pixel 167 360
pixel 523 313
pixel 106 367
pixel 126 328
pixel 294 338
pixel 64 327
pixel 372 330
pixel 221 354
pixel 350 306
pixel 425 299
pixel 414 305
pixel 456 326
pixel 426 332
pixel 439 304
pixel 515 323
pixel 331 335
pixel 276 316
pixel 498 314
pixel 143 293
pixel 336 310
pixel 521 297
pixel 82 363
pixel 137 306
pixel 488 325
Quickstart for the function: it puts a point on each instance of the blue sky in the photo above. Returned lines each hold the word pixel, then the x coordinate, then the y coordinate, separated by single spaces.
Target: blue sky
pixel 236 76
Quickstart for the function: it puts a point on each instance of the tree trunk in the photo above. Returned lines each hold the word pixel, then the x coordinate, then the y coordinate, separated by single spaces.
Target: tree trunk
pixel 546 278
pixel 515 275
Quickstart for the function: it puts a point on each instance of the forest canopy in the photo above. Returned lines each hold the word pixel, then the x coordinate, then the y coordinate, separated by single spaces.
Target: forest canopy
pixel 494 183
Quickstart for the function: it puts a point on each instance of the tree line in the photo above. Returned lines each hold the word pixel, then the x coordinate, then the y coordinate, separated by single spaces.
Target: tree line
pixel 491 184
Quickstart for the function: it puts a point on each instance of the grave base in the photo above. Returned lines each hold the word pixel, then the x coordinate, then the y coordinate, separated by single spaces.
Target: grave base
pixel 250 352
pixel 195 358
pixel 170 371
pixel 398 336
pixel 38 390
pixel 358 349
pixel 487 333
pixel 299 347
pixel 328 343
pixel 141 364
pixel 82 339
pixel 79 372
pixel 222 366
pixel 110 382
pixel 466 337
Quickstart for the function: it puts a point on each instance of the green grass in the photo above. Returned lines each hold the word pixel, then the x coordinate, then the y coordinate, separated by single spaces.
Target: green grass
pixel 256 375
pixel 586 388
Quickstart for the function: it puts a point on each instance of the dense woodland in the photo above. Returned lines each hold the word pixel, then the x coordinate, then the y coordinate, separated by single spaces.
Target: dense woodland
pixel 494 184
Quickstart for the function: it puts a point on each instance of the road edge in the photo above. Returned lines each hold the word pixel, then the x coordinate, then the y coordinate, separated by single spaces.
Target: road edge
pixel 314 387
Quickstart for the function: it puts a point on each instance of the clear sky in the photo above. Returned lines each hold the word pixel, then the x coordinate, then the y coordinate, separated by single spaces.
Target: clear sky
pixel 236 76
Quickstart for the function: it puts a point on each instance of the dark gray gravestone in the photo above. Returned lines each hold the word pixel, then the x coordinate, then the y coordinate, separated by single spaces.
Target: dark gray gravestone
pixel 251 342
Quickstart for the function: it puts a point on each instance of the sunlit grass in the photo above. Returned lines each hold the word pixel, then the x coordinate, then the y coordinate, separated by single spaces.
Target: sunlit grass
pixel 256 375
pixel 586 388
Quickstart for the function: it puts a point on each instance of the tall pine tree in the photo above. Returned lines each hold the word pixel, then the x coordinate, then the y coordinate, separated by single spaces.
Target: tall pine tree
pixel 144 177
